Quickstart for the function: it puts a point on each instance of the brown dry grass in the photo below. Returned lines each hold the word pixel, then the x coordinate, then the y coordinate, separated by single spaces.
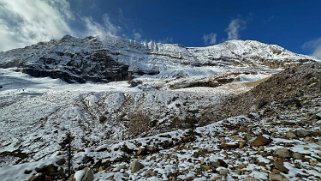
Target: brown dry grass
pixel 255 83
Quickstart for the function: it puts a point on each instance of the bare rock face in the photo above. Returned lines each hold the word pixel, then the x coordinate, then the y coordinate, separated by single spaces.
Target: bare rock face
pixel 70 59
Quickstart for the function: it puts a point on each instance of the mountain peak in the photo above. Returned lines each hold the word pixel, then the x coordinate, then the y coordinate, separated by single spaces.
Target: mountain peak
pixel 73 56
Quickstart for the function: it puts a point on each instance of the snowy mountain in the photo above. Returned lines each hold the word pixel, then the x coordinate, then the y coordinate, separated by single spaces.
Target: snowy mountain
pixel 89 59
pixel 124 101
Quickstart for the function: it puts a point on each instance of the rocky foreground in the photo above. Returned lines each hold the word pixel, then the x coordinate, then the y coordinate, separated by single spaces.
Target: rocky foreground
pixel 272 132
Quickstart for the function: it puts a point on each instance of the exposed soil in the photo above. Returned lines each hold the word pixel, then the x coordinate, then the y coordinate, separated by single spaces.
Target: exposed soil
pixel 290 87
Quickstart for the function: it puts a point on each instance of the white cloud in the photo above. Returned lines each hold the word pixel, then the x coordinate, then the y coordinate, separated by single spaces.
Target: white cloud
pixel 166 40
pixel 137 35
pixel 101 30
pixel 315 45
pixel 209 39
pixel 26 22
pixel 234 28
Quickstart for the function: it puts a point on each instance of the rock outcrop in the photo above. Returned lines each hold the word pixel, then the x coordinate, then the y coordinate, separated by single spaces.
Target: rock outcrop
pixel 70 59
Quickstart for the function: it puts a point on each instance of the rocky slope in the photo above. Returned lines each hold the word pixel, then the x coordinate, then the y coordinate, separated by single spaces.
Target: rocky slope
pixel 290 87
pixel 277 141
pixel 186 113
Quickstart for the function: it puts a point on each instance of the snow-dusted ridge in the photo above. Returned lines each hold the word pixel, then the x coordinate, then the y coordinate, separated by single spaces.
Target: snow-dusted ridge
pixel 91 59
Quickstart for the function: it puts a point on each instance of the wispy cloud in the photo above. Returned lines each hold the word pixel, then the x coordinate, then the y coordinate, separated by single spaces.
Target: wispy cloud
pixel 234 28
pixel 137 35
pixel 233 32
pixel 26 22
pixel 315 46
pixel 166 40
pixel 209 39
pixel 107 28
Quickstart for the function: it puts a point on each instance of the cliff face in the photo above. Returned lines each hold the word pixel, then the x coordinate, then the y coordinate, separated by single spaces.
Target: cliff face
pixel 70 59
pixel 96 66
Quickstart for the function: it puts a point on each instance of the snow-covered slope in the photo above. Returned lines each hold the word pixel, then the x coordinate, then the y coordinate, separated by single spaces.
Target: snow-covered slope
pixel 89 59
pixel 166 56
pixel 169 87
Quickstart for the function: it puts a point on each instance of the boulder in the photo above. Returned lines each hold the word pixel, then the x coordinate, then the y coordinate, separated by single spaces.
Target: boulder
pixel 222 170
pixel 277 177
pixel 290 135
pixel 278 164
pixel 89 175
pixel 318 114
pixel 219 163
pixel 249 178
pixel 150 173
pixel 141 151
pixel 38 177
pixel 283 153
pixel 260 141
pixel 298 156
pixel 302 133
pixel 61 161
pixel 228 146
pixel 50 170
pixel 135 166
pixel 83 175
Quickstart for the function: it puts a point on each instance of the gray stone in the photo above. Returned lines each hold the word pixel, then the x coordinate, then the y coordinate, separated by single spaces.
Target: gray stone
pixel 87 176
pixel 298 156
pixel 150 173
pixel 120 167
pixel 222 170
pixel 27 171
pixel 290 135
pixel 278 164
pixel 260 141
pixel 249 178
pixel 136 166
pixel 61 161
pixel 318 115
pixel 282 153
pixel 277 177
pixel 302 132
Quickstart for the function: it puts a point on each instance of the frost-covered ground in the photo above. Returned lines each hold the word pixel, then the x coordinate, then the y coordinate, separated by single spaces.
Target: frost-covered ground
pixel 143 129
pixel 238 148
pixel 37 112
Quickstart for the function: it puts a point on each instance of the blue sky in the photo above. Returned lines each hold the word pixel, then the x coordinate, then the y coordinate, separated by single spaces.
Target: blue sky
pixel 293 24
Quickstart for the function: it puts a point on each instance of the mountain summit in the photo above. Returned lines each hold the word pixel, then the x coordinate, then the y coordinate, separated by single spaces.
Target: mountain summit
pixel 90 59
